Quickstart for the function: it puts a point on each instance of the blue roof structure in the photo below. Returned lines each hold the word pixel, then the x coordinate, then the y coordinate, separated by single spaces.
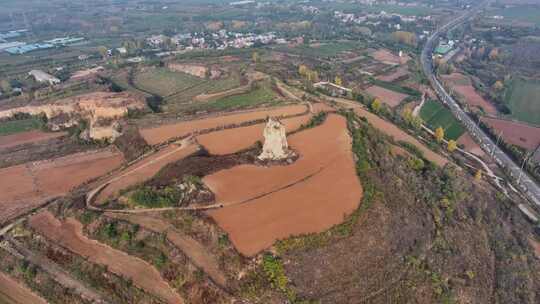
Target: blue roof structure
pixel 17 50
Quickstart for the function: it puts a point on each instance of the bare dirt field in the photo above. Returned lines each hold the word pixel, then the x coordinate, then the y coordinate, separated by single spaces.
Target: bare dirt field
pixel 143 170
pixel 69 233
pixel 397 74
pixel 163 133
pixel 462 85
pixel 27 137
pixel 264 204
pixel 233 140
pixel 11 292
pixel 516 133
pixel 388 57
pixel 391 98
pixel 27 186
pixel 470 145
pixel 190 247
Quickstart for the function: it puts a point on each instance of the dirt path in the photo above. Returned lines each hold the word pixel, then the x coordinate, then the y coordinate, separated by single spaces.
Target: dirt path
pixel 193 249
pixel 59 275
pixel 144 170
pixel 11 292
pixel 69 234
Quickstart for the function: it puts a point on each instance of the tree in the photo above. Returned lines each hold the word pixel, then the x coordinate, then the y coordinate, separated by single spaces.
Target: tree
pixel 439 134
pixel 103 51
pixel 302 70
pixel 338 81
pixel 5 86
pixel 255 57
pixel 493 54
pixel 498 85
pixel 376 105
pixel 405 37
pixel 478 175
pixel 452 145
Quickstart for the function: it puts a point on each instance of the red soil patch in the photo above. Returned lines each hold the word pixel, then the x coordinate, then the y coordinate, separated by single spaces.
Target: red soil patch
pixel 399 73
pixel 144 170
pixel 391 98
pixel 536 246
pixel 27 137
pixel 69 233
pixel 163 133
pixel 516 133
pixel 461 85
pixel 13 293
pixel 233 140
pixel 27 186
pixel 387 57
pixel 264 204
pixel 470 145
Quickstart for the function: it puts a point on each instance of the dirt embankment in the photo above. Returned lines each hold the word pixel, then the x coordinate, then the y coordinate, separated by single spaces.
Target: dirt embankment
pixel 194 250
pixel 69 234
pixel 263 204
pixel 164 133
pixel 11 292
pixel 13 140
pixel 28 186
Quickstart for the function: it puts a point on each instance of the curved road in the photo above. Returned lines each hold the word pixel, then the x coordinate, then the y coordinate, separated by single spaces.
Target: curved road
pixel 520 178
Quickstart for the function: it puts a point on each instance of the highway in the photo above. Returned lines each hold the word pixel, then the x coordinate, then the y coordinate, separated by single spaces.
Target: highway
pixel 518 176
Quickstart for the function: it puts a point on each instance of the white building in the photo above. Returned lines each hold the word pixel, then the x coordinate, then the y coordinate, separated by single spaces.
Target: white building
pixel 41 76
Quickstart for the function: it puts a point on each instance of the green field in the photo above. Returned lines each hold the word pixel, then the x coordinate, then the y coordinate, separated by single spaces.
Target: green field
pixel 523 13
pixel 261 95
pixel 16 126
pixel 523 99
pixel 163 82
pixel 436 115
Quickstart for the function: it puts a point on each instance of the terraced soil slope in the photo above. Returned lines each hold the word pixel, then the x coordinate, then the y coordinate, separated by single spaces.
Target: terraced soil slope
pixel 69 234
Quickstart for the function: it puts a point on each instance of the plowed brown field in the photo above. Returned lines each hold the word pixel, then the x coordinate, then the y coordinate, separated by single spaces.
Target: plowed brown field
pixel 11 292
pixel 391 98
pixel 232 140
pixel 69 234
pixel 264 204
pixel 516 133
pixel 163 133
pixel 27 137
pixel 144 170
pixel 24 187
pixel 462 85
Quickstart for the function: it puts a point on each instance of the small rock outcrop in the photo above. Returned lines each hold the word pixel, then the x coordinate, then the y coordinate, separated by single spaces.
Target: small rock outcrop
pixel 275 141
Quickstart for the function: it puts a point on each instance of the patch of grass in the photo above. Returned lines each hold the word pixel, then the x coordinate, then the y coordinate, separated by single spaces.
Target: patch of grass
pixel 163 82
pixel 436 115
pixel 524 13
pixel 17 126
pixel 260 95
pixel 522 99
pixel 151 198
pixel 396 88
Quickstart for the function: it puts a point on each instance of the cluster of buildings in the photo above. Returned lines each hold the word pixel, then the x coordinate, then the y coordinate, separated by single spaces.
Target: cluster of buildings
pixel 376 18
pixel 219 40
pixel 18 47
